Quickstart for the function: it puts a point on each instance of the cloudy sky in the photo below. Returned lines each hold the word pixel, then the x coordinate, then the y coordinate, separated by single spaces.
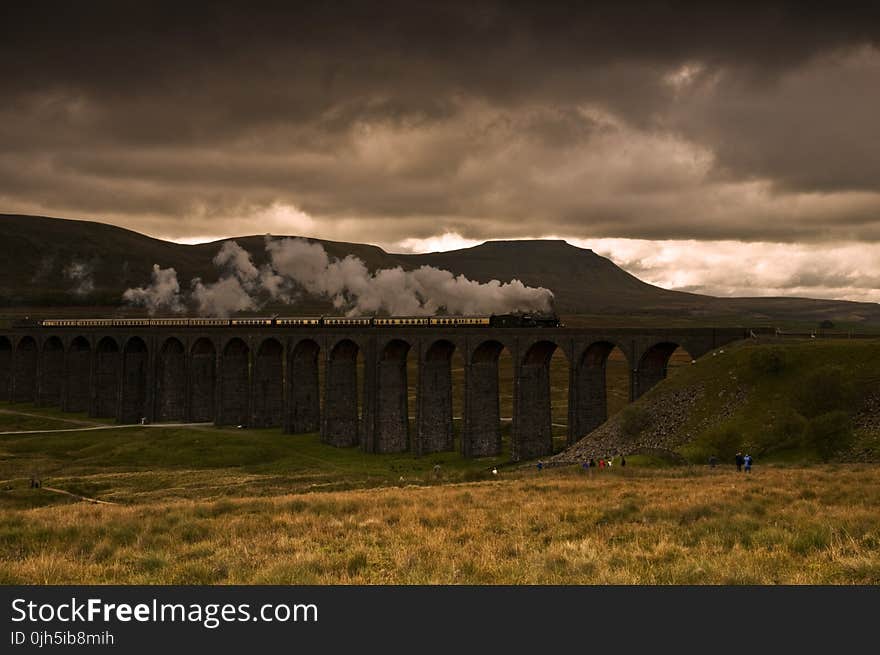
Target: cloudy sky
pixel 718 148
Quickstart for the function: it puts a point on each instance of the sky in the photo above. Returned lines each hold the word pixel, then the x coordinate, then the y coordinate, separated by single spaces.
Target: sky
pixel 719 148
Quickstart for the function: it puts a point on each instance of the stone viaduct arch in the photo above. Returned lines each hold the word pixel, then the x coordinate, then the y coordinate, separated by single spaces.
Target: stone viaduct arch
pixel 652 367
pixel 78 376
pixel 303 406
pixel 588 401
pixel 434 429
pixel 202 381
pixel 481 436
pixel 392 412
pixel 24 385
pixel 341 422
pixel 51 370
pixel 268 377
pixel 171 378
pixel 532 434
pixel 5 368
pixel 234 383
pixel 106 388
pixel 267 394
pixel 135 362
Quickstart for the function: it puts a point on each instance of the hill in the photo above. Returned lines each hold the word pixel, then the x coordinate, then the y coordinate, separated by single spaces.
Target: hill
pixel 799 401
pixel 61 262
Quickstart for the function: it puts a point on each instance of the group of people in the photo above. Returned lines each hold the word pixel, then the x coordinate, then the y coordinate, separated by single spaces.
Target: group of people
pixel 743 462
pixel 602 462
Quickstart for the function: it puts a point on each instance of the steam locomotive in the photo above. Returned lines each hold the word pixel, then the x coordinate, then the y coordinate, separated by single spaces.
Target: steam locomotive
pixel 492 320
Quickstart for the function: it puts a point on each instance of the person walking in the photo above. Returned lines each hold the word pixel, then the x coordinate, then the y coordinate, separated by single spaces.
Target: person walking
pixel 747 462
pixel 622 460
pixel 739 461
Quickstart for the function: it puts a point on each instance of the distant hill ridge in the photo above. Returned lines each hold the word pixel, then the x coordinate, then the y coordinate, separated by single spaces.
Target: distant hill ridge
pixel 37 251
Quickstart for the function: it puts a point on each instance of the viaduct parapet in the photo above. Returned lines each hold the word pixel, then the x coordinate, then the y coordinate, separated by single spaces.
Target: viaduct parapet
pixel 270 377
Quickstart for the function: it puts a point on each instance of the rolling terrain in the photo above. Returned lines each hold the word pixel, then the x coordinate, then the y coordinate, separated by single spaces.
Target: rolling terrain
pixel 47 261
pixel 205 505
pixel 800 400
pixel 167 504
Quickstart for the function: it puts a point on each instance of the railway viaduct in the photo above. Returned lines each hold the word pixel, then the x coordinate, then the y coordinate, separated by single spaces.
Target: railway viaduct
pixel 269 377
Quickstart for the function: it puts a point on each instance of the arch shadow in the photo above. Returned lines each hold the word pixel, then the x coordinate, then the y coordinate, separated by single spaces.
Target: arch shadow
pixel 303 407
pixel 392 406
pixel 171 381
pixel 135 360
pixel 51 373
pixel 268 397
pixel 106 398
pixel 653 367
pixel 234 383
pixel 340 424
pixel 202 381
pixel 5 368
pixel 435 430
pixel 78 375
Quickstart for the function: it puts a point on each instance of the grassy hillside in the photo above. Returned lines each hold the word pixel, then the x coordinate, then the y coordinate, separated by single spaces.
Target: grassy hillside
pixel 202 505
pixel 142 464
pixel 807 401
pixel 39 254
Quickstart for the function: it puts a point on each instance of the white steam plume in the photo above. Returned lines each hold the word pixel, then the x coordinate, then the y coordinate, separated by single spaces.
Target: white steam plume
pixel 233 291
pixel 163 292
pixel 424 291
pixel 81 275
pixel 221 298
pixel 297 265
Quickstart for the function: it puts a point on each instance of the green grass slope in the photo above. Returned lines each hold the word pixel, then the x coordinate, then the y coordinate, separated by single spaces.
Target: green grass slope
pixel 804 401
pixel 138 464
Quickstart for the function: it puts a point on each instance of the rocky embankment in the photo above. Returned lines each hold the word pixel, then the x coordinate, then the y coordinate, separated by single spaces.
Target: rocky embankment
pixel 657 424
pixel 867 421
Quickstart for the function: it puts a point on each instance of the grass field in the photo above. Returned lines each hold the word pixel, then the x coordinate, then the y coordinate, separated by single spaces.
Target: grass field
pixel 199 504
pixel 632 526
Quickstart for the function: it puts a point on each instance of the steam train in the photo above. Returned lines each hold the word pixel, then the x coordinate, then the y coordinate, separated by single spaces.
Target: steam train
pixel 492 320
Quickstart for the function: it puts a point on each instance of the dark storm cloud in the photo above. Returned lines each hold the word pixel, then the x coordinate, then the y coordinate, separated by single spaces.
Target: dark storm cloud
pixel 383 121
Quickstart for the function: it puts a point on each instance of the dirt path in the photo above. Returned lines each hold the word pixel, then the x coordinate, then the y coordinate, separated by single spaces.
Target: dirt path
pixel 78 497
pixel 49 418
pixel 109 427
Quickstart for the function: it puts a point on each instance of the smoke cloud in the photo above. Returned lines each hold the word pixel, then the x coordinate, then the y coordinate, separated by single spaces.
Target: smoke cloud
pixel 81 275
pixel 163 292
pixel 297 266
pixel 424 291
pixel 236 289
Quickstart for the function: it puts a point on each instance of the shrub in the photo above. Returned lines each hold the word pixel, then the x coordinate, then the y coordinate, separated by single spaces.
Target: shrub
pixel 825 389
pixel 767 361
pixel 830 433
pixel 788 431
pixel 723 442
pixel 634 420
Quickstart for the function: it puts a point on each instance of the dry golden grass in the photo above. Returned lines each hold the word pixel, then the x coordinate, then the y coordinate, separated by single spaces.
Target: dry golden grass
pixel 560 526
